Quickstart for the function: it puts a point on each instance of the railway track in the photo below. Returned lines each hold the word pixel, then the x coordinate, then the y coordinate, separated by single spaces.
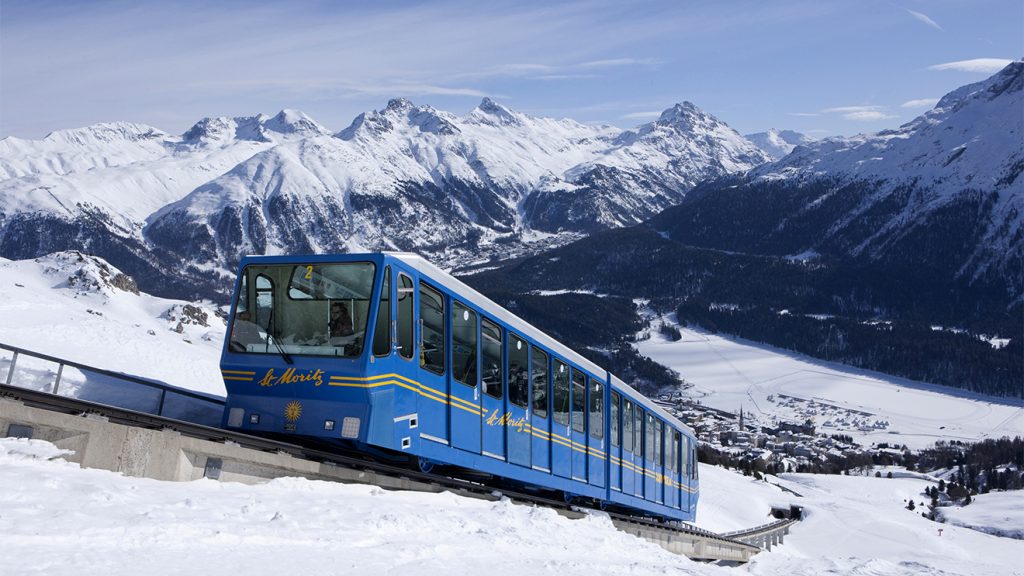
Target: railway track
pixel 708 545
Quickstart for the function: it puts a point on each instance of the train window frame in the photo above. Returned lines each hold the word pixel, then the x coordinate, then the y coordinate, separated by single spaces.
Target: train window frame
pixel 501 356
pixel 406 333
pixel 627 425
pixel 474 359
pixel 638 428
pixel 383 307
pixel 442 346
pixel 616 422
pixel 520 392
pixel 539 403
pixel 649 437
pixel 596 407
pixel 659 439
pixel 684 452
pixel 582 407
pixel 675 452
pixel 562 387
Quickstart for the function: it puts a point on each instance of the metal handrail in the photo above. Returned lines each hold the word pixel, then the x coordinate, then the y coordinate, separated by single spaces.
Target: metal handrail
pixel 762 528
pixel 135 380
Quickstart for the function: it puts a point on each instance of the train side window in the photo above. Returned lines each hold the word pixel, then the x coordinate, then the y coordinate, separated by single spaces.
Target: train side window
pixel 405 316
pixel 638 430
pixel 658 439
pixel 649 452
pixel 685 452
pixel 561 407
pixel 491 355
pixel 693 458
pixel 596 409
pixel 539 375
pixel 675 454
pixel 518 363
pixel 382 327
pixel 616 424
pixel 432 338
pixel 579 401
pixel 627 425
pixel 464 354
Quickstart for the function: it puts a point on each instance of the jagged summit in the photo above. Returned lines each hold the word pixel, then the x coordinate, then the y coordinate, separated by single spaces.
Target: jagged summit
pixel 289 121
pixel 777 143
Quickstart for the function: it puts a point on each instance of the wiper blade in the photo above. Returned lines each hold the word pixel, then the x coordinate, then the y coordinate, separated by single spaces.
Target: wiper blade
pixel 271 336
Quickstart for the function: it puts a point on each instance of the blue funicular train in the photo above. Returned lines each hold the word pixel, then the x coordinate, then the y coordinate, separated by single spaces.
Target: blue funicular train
pixel 387 351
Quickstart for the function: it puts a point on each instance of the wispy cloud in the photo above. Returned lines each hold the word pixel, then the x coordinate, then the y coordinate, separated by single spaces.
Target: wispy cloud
pixel 860 113
pixel 804 114
pixel 924 18
pixel 920 103
pixel 617 62
pixel 980 65
pixel 641 115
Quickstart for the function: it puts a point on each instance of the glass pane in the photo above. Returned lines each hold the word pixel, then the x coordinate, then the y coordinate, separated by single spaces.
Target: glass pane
pixel 649 431
pixel 596 409
pixel 491 356
pixel 686 456
pixel 405 316
pixel 518 362
pixel 197 410
pixel 615 419
pixel 309 309
pixel 34 373
pixel 112 391
pixel 579 401
pixel 539 374
pixel 638 430
pixel 382 327
pixel 658 435
pixel 627 426
pixel 464 353
pixel 432 338
pixel 5 364
pixel 561 393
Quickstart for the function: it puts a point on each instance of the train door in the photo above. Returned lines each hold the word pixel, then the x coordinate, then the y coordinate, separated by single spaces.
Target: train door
pixel 433 359
pixel 677 482
pixel 517 426
pixel 579 426
pixel 596 451
pixel 628 475
pixel 540 394
pixel 492 381
pixel 659 461
pixel 650 478
pixel 464 407
pixel 561 448
pixel 615 455
pixel 638 451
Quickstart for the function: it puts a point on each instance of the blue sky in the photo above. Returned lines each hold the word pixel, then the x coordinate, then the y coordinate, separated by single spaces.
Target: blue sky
pixel 821 67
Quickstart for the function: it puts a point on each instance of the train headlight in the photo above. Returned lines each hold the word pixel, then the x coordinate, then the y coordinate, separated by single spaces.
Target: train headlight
pixel 328 425
pixel 254 419
pixel 350 427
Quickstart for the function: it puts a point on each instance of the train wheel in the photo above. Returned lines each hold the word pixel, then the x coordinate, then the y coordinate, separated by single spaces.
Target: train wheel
pixel 424 464
pixel 568 497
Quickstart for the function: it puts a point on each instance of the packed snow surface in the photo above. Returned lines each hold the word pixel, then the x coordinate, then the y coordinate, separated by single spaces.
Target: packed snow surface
pixel 59 519
pixel 771 383
pixel 999 513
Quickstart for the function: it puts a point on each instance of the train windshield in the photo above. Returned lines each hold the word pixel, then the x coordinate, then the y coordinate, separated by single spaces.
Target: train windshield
pixel 305 309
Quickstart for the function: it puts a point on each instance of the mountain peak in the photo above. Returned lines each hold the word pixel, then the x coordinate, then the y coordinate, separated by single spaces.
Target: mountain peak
pixel 491 112
pixel 289 121
pixel 398 105
pixel 681 112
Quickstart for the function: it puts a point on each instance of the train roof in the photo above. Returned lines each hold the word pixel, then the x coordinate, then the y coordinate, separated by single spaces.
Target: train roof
pixel 494 309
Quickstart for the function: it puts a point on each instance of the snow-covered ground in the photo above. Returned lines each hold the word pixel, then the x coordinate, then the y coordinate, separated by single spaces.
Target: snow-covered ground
pixel 59 519
pixel 729 373
pixel 67 305
pixel 999 513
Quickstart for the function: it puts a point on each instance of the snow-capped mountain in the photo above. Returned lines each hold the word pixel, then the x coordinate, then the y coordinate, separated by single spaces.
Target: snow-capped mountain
pixel 777 143
pixel 941 198
pixel 407 177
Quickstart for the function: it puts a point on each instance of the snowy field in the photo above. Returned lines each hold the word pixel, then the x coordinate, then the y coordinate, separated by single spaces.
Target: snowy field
pixel 769 383
pixel 59 519
pixel 999 513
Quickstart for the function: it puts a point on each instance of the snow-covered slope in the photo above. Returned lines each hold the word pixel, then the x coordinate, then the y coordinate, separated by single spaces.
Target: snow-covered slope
pixel 115 525
pixel 406 176
pixel 940 198
pixel 777 143
pixel 80 308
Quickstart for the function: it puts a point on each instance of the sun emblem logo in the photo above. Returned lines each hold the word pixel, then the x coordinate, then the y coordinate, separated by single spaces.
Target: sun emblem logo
pixel 292 411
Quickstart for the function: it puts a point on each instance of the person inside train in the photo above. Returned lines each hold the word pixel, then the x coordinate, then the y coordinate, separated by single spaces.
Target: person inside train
pixel 340 324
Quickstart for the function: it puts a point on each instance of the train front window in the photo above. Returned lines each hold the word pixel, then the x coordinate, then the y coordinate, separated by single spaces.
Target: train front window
pixel 307 309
